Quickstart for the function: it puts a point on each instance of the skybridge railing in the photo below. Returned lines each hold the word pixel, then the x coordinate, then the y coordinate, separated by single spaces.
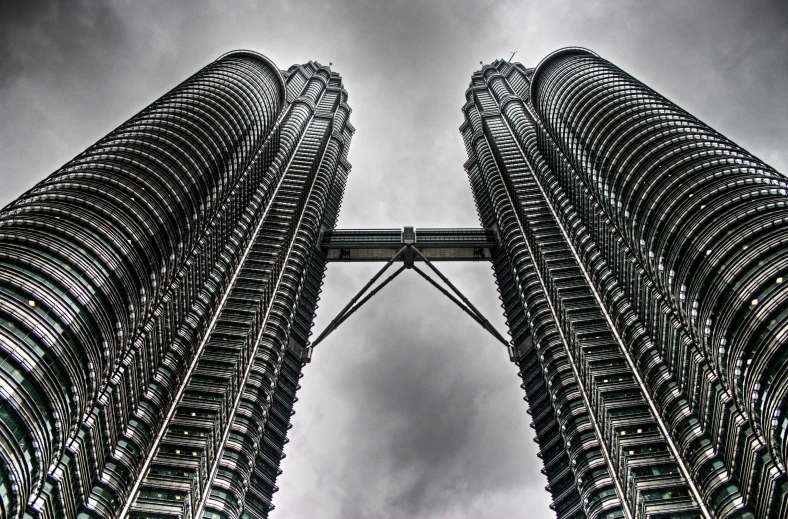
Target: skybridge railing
pixel 353 245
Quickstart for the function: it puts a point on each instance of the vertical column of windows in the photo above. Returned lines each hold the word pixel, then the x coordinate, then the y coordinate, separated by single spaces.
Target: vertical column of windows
pixel 630 328
pixel 228 342
pixel 656 354
pixel 266 363
pixel 233 437
pixel 525 130
pixel 308 265
pixel 543 328
pixel 705 228
pixel 105 230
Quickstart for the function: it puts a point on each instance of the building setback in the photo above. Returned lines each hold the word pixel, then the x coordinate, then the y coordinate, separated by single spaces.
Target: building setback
pixel 156 295
pixel 641 266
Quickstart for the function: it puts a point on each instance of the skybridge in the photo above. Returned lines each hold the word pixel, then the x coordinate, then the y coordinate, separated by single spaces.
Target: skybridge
pixel 409 246
pixel 354 245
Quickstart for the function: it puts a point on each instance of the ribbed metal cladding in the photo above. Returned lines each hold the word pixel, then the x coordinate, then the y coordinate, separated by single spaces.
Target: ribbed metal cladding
pixel 524 300
pixel 92 252
pixel 572 368
pixel 192 223
pixel 706 222
pixel 220 454
pixel 673 233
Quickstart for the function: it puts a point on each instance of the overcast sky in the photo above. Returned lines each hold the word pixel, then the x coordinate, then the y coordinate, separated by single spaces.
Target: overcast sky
pixel 409 409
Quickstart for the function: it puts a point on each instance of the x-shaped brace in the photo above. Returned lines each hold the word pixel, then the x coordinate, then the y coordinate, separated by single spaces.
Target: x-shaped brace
pixel 409 250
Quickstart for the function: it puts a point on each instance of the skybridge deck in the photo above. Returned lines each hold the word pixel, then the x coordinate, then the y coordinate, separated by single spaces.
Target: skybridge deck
pixel 355 245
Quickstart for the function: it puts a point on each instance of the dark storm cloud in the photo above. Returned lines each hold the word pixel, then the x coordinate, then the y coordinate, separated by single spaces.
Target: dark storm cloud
pixel 59 39
pixel 58 62
pixel 409 409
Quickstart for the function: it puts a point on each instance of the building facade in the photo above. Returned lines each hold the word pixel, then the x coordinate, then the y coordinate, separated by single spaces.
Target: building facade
pixel 156 295
pixel 641 265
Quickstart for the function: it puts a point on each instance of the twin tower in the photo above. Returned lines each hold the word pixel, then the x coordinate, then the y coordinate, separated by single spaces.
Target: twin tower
pixel 157 294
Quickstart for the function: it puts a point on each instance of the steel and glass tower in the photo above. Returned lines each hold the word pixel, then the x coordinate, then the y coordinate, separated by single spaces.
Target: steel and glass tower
pixel 641 265
pixel 156 295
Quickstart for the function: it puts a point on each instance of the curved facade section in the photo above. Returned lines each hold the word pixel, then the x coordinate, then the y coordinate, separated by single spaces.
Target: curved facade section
pixel 704 217
pixel 218 452
pixel 90 254
pixel 680 232
pixel 264 60
pixel 556 54
pixel 665 239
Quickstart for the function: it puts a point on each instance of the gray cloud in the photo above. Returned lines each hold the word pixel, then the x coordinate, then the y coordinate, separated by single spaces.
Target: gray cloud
pixel 37 34
pixel 436 425
pixel 409 409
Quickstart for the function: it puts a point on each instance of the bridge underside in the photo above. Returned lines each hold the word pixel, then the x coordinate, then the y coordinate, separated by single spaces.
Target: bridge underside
pixel 355 245
pixel 409 245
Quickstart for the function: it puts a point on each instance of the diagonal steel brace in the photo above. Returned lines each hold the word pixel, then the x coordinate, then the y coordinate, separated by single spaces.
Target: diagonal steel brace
pixel 341 316
pixel 483 320
pixel 458 303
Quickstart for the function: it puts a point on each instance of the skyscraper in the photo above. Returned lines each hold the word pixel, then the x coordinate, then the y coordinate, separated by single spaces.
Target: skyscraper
pixel 156 295
pixel 641 266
